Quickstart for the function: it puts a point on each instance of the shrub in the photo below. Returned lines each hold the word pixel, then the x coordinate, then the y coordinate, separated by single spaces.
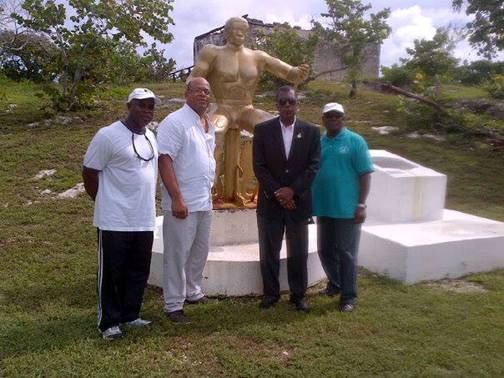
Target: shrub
pixel 400 76
pixel 496 87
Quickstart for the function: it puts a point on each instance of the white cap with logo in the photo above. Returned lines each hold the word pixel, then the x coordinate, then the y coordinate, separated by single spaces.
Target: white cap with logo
pixel 333 107
pixel 142 94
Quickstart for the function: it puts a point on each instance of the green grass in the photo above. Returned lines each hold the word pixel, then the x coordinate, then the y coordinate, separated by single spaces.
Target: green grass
pixel 454 92
pixel 21 103
pixel 48 265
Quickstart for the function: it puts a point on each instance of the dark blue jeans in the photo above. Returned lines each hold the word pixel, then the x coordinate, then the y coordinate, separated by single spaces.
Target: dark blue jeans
pixel 338 243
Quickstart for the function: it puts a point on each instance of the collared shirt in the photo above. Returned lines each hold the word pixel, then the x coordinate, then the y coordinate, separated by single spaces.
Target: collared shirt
pixel 182 136
pixel 127 184
pixel 336 188
pixel 287 134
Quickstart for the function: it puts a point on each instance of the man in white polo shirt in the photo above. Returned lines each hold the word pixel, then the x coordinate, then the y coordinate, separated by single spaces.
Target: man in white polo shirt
pixel 186 141
pixel 120 175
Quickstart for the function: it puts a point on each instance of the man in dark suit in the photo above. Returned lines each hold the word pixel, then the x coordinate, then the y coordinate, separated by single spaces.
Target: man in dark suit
pixel 286 156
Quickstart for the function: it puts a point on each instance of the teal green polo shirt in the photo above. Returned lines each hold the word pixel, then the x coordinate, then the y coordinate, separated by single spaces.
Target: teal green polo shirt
pixel 336 187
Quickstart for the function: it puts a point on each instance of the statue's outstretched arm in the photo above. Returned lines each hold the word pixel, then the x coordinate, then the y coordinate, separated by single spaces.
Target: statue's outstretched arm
pixel 283 70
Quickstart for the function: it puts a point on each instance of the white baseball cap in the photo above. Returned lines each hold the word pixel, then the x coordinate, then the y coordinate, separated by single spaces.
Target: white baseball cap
pixel 142 94
pixel 333 107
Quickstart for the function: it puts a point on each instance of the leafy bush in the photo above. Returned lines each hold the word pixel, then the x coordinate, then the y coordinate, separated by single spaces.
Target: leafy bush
pixel 496 87
pixel 418 116
pixel 400 76
pixel 478 72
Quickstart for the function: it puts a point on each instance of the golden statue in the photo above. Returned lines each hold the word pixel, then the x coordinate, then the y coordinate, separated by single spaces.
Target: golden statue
pixel 233 72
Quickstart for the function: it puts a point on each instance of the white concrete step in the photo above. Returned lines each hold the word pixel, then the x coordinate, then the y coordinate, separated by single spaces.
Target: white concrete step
pixel 454 246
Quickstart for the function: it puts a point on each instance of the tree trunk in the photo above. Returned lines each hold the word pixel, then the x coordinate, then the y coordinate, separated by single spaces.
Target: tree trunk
pixel 353 91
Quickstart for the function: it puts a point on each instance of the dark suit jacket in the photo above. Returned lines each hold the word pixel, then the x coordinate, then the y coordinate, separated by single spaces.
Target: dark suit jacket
pixel 273 170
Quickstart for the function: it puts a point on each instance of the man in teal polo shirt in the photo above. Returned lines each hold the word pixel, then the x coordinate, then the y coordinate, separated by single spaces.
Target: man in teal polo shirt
pixel 339 195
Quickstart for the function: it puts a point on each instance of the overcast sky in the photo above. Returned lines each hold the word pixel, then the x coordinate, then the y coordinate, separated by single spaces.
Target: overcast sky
pixel 409 20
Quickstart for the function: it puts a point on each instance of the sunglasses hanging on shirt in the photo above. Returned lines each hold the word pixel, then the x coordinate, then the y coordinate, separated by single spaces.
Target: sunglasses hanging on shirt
pixel 136 152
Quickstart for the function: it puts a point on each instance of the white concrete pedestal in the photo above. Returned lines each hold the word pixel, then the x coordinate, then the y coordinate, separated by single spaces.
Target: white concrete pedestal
pixel 233 261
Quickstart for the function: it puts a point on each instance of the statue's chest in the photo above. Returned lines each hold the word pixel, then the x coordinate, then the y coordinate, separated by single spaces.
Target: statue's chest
pixel 237 67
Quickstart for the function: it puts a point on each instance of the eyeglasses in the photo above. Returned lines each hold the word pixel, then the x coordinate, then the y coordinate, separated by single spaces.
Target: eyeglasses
pixel 204 91
pixel 285 101
pixel 136 152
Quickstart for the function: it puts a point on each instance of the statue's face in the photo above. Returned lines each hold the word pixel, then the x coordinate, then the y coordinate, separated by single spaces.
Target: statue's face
pixel 237 33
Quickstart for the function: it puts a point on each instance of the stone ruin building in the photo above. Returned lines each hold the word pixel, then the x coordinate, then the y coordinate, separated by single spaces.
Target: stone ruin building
pixel 326 56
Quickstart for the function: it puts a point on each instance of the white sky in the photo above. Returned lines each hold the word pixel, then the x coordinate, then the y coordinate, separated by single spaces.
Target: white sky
pixel 410 19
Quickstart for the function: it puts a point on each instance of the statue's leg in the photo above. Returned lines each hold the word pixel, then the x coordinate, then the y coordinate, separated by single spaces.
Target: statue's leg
pixel 221 122
pixel 248 188
pixel 232 166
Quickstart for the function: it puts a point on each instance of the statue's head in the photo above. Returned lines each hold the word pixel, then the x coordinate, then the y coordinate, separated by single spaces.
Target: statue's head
pixel 235 30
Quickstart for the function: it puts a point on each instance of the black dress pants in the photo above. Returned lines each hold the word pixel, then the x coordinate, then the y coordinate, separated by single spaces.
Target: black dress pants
pixel 271 232
pixel 123 270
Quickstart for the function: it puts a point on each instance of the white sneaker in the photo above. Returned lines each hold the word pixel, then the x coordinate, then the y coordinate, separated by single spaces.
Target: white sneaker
pixel 112 333
pixel 139 322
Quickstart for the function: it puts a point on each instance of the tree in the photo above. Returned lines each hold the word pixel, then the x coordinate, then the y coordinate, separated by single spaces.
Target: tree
pixel 486 31
pixel 479 71
pixel 27 56
pixel 429 63
pixel 433 58
pixel 286 44
pixel 86 31
pixel 158 67
pixel 351 31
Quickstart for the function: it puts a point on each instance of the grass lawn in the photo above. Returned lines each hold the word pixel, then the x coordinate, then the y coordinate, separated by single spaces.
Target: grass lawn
pixel 48 263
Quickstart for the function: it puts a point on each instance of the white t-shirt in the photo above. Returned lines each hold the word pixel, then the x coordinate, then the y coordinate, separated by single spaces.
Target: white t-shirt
pixel 127 184
pixel 182 136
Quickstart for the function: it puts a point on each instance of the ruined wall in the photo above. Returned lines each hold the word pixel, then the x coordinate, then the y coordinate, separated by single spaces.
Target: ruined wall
pixel 326 56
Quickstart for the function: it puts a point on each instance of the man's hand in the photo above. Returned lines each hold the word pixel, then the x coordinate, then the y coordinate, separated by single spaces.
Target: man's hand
pixel 360 215
pixel 290 205
pixel 284 195
pixel 179 208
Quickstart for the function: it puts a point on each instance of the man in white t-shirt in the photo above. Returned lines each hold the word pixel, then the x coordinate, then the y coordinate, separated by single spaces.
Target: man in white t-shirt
pixel 120 175
pixel 186 140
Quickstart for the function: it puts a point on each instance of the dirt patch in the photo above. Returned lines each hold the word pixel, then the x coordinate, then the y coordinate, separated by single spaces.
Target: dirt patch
pixel 458 286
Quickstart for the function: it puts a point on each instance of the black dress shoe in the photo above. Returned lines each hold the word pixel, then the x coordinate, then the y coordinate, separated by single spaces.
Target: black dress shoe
pixel 178 317
pixel 330 291
pixel 203 300
pixel 301 304
pixel 268 302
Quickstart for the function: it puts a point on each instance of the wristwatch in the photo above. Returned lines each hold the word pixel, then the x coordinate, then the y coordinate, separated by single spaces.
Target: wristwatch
pixel 362 205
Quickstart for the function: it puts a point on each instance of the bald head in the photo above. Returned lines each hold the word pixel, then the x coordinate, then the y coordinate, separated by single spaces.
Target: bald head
pixel 198 94
pixel 196 81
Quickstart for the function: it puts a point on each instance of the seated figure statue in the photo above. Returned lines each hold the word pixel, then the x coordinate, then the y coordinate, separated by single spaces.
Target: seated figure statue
pixel 233 72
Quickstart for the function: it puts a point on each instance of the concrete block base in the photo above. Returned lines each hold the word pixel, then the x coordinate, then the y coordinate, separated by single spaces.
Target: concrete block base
pixel 234 269
pixel 456 245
